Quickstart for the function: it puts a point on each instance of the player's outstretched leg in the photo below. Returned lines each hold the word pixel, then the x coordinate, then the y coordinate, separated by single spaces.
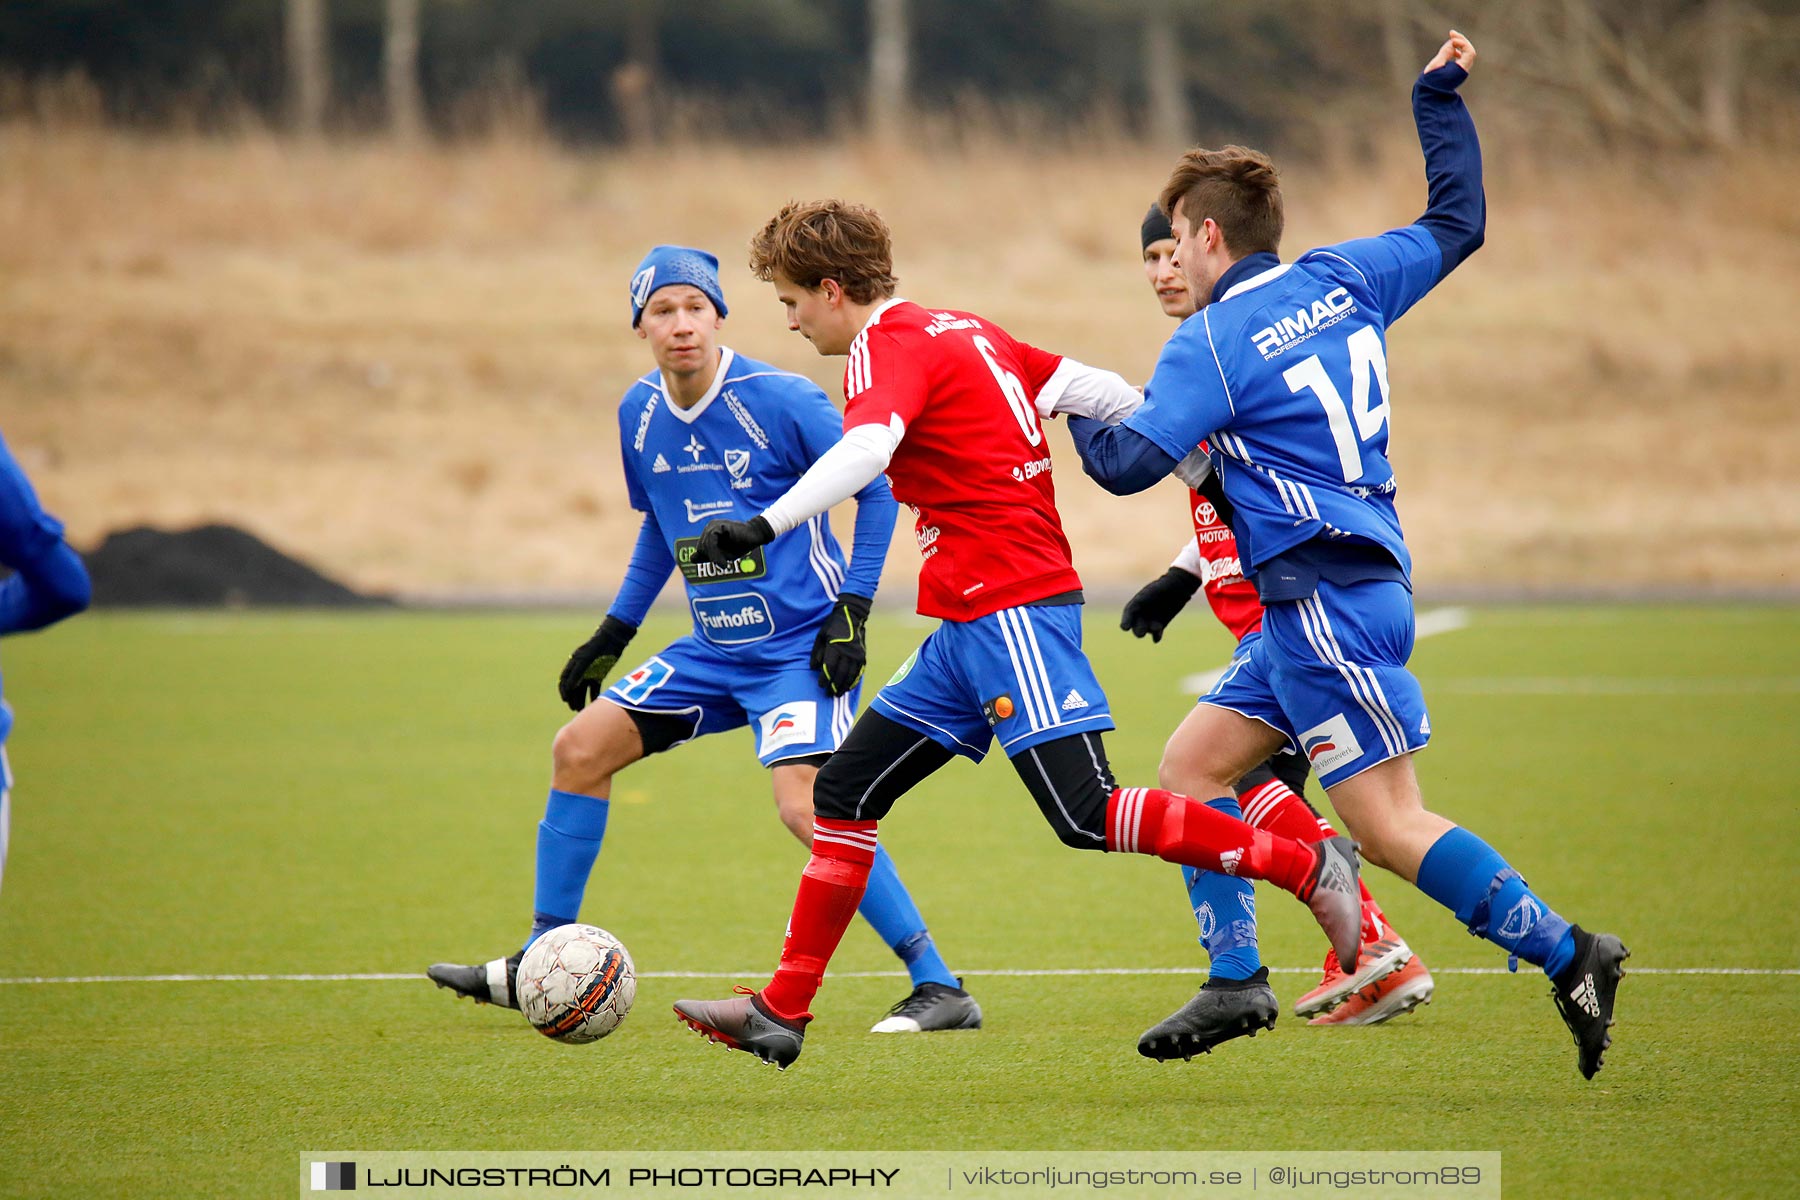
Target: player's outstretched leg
pixel 1073 786
pixel 600 740
pixel 1324 875
pixel 937 1001
pixel 1390 979
pixel 879 762
pixel 1490 898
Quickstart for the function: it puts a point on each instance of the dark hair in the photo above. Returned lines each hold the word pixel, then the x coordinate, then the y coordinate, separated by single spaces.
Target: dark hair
pixel 827 239
pixel 1237 187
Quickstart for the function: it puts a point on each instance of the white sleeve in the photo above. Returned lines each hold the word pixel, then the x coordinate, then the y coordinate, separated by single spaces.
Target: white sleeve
pixel 1189 560
pixel 1083 391
pixel 1193 469
pixel 836 475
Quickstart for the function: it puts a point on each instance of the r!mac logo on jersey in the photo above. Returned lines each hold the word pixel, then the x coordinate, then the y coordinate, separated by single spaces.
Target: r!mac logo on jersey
pixel 1290 331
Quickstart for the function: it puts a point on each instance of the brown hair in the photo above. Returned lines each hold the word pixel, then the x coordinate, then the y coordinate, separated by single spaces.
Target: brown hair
pixel 827 239
pixel 1237 187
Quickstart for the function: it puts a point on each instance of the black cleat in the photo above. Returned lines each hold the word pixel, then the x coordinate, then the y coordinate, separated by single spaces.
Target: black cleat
pixel 1584 994
pixel 1224 1009
pixel 931 1007
pixel 494 982
pixel 741 1023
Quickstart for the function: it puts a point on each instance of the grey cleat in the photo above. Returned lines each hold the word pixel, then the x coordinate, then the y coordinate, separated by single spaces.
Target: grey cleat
pixel 931 1007
pixel 1584 995
pixel 494 982
pixel 1333 894
pixel 741 1023
pixel 1223 1010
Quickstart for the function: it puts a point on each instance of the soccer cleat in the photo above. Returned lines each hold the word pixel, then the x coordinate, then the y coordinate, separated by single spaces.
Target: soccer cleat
pixel 1398 992
pixel 1223 1009
pixel 1584 993
pixel 1374 961
pixel 931 1007
pixel 1332 893
pixel 495 982
pixel 741 1023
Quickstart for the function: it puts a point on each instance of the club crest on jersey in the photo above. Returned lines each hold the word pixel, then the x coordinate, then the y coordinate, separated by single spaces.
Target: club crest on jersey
pixel 1330 745
pixel 737 462
pixel 795 724
pixel 1290 331
pixel 640 286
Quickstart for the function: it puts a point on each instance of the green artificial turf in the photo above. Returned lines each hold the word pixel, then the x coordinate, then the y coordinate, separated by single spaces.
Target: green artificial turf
pixel 246 793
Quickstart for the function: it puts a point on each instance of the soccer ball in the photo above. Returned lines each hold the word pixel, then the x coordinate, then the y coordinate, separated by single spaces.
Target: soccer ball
pixel 576 983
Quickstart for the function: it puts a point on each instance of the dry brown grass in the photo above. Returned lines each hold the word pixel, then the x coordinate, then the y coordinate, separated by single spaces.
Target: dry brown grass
pixel 403 364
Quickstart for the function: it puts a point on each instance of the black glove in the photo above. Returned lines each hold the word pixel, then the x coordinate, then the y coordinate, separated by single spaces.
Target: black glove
pixel 1157 602
pixel 724 542
pixel 587 668
pixel 842 648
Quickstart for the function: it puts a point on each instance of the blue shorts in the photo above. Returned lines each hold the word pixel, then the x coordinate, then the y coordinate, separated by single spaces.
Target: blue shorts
pixel 1329 674
pixel 788 707
pixel 1018 674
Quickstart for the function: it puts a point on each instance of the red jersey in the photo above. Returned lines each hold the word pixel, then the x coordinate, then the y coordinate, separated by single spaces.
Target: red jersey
pixel 1233 598
pixel 972 462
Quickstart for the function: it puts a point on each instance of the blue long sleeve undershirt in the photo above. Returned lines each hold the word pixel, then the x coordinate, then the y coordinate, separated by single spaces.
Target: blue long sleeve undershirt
pixel 649 568
pixel 876 511
pixel 1124 461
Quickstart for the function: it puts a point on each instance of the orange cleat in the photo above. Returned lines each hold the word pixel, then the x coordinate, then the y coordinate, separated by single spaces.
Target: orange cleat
pixel 1377 960
pixel 1397 993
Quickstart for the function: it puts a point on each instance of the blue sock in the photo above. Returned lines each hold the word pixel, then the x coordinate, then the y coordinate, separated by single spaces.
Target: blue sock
pixel 568 842
pixel 1225 906
pixel 887 907
pixel 1468 877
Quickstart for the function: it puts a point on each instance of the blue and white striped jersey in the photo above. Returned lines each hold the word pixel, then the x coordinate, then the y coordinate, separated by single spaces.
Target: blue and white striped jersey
pixel 731 455
pixel 1286 377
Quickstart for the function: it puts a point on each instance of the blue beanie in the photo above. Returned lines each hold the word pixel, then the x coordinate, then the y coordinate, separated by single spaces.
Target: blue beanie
pixel 666 266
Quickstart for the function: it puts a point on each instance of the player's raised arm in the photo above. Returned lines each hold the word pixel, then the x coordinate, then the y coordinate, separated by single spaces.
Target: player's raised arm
pixel 1456 208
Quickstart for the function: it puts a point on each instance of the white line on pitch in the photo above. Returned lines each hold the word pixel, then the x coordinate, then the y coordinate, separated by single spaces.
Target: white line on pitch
pixel 1052 971
pixel 1619 685
pixel 1426 624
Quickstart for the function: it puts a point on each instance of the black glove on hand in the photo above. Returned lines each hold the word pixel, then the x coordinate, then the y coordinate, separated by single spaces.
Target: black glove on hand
pixel 585 674
pixel 724 542
pixel 842 648
pixel 1157 602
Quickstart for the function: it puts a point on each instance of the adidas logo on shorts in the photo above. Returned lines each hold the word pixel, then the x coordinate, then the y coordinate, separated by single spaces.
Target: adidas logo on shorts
pixel 1073 701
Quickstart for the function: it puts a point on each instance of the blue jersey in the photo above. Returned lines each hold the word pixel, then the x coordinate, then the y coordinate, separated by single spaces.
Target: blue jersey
pixel 50 583
pixel 731 455
pixel 1285 376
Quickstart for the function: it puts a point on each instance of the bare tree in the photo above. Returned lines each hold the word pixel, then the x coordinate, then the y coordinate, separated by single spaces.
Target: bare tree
pixel 400 64
pixel 890 66
pixel 634 81
pixel 308 46
pixel 1397 42
pixel 1171 121
pixel 1722 70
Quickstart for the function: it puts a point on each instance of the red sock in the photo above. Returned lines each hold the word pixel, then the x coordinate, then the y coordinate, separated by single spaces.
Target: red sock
pixel 1182 830
pixel 1275 807
pixel 831 887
